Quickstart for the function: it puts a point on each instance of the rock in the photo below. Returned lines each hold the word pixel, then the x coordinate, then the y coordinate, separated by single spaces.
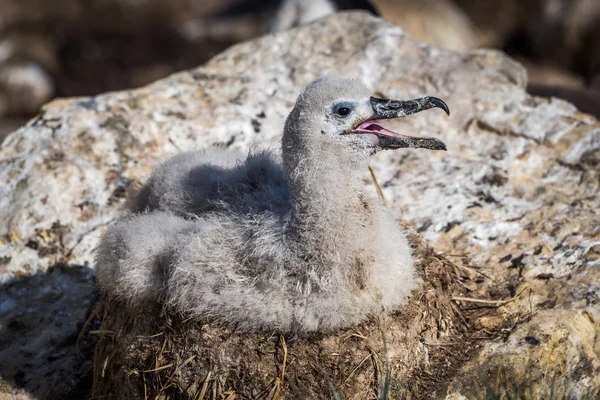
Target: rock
pixel 105 15
pixel 586 100
pixel 510 210
pixel 566 33
pixel 74 47
pixel 24 87
pixel 559 340
pixel 500 21
pixel 437 22
pixel 553 33
pixel 26 63
pixel 42 317
pixel 10 125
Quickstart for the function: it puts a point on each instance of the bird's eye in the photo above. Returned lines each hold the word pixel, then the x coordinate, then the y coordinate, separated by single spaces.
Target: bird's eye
pixel 343 109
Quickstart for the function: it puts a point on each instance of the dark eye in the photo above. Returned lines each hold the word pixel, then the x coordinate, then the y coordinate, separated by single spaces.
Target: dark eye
pixel 343 109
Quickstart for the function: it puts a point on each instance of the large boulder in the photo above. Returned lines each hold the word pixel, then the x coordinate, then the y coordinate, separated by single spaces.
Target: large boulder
pixel 511 212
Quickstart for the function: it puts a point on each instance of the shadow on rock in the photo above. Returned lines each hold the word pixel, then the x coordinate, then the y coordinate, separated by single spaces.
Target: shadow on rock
pixel 44 353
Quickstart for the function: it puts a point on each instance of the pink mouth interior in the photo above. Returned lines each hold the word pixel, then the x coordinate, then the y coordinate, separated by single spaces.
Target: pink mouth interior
pixel 370 126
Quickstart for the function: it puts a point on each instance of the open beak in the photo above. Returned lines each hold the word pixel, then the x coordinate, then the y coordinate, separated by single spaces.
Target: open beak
pixel 386 109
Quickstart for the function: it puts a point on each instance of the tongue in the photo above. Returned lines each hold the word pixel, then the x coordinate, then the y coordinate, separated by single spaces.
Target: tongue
pixel 393 140
pixel 369 126
pixel 373 127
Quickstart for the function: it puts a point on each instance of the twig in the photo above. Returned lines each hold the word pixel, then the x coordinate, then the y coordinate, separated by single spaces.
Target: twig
pixel 204 387
pixel 92 315
pixel 355 369
pixel 145 388
pixel 231 396
pixel 106 361
pixel 496 303
pixel 161 351
pixel 279 381
pixel 441 344
pixel 183 364
pixel 471 269
pixel 101 332
pixel 377 187
pixel 285 353
pixel 482 301
pixel 159 368
pixel 376 368
pixel 150 336
pixel 358 335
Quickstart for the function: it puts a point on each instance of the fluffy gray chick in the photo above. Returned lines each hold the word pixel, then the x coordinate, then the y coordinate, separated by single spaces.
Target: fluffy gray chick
pixel 294 246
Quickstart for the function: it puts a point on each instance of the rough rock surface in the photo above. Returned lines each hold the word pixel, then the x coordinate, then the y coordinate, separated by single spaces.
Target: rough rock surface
pixel 513 203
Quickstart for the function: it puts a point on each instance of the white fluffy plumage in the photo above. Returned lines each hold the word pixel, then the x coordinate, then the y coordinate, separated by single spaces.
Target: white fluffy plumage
pixel 288 243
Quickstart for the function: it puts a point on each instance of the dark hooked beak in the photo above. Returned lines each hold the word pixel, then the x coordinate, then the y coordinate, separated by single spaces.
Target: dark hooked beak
pixel 386 109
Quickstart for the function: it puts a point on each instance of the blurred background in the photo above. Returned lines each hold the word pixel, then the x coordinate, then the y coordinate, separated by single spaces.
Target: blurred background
pixel 62 48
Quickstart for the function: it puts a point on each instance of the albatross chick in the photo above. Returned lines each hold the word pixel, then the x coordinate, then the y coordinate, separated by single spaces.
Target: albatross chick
pixel 259 245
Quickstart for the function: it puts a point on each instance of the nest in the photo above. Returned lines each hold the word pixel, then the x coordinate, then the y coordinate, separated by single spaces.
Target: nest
pixel 149 353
